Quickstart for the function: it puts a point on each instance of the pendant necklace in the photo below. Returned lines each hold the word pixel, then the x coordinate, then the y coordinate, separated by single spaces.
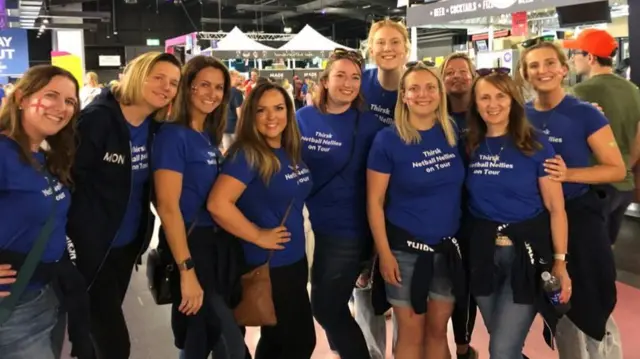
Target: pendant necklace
pixel 494 158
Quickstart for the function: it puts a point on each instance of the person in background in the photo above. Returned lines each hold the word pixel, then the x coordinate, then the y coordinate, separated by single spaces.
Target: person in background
pixel 458 73
pixel 388 47
pixel 305 86
pixel 515 208
pixel 579 132
pixel 312 92
pixel 90 90
pixel 259 198
pixel 620 101
pixel 297 92
pixel 110 220
pixel 235 106
pixel 252 81
pixel 34 201
pixel 186 161
pixel 337 202
pixel 415 176
pixel 287 86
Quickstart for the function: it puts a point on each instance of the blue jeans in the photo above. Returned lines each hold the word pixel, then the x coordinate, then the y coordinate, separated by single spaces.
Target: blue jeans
pixel 336 266
pixel 231 342
pixel 27 333
pixel 508 323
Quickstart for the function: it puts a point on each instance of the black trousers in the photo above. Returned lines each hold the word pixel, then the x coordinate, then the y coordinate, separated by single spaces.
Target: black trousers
pixel 617 203
pixel 108 326
pixel 294 337
pixel 465 309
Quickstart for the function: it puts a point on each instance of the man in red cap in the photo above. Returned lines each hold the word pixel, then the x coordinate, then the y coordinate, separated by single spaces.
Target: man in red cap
pixel 593 52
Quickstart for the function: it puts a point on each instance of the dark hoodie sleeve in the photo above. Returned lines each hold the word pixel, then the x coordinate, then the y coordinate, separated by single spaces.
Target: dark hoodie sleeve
pixel 91 134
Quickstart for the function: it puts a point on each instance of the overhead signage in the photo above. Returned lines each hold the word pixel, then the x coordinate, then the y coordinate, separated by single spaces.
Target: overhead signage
pixel 14 52
pixel 451 10
pixel 268 54
pixel 310 73
pixel 278 75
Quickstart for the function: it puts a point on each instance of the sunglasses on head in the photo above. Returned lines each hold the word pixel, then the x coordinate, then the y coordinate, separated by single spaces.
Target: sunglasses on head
pixel 352 55
pixel 411 64
pixel 492 71
pixel 537 41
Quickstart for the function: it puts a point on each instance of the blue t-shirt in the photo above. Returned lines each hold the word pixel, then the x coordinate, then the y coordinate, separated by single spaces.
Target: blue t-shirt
pixel 181 149
pixel 265 205
pixel 235 101
pixel 139 177
pixel 380 101
pixel 26 202
pixel 460 119
pixel 339 209
pixel 568 126
pixel 425 183
pixel 502 182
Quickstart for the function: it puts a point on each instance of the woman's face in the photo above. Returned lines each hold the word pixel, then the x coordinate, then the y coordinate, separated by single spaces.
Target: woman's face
pixel 161 85
pixel 271 115
pixel 49 110
pixel 421 93
pixel 457 77
pixel 388 48
pixel 544 70
pixel 494 105
pixel 207 90
pixel 343 82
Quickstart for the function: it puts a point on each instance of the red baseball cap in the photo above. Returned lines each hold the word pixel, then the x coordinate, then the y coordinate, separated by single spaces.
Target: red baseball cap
pixel 594 41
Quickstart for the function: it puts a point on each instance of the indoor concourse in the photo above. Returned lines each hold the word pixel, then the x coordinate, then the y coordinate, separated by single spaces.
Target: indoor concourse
pixel 151 336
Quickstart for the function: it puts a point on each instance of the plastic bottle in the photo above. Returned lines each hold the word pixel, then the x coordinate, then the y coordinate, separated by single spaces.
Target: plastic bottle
pixel 553 288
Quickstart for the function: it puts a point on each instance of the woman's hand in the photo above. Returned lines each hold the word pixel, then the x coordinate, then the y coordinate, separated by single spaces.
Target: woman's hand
pixel 7 276
pixel 273 238
pixel 389 269
pixel 556 168
pixel 192 293
pixel 560 271
pixel 595 104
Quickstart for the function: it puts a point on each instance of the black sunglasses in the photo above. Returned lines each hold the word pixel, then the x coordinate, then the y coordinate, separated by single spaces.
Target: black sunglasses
pixel 411 64
pixel 537 41
pixel 493 70
pixel 352 55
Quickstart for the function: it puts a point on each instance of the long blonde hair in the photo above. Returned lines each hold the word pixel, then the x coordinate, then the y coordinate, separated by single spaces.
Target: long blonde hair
pixel 406 131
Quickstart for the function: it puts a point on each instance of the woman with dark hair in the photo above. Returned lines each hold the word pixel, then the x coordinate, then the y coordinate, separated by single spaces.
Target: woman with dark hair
pixel 37 127
pixel 336 137
pixel 259 198
pixel 110 220
pixel 579 132
pixel 517 226
pixel 186 161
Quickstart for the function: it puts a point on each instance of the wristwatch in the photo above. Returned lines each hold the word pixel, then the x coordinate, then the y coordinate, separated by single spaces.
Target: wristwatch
pixel 561 257
pixel 187 264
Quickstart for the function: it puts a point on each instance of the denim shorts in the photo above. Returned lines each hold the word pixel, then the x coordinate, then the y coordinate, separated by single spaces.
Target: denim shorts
pixel 441 286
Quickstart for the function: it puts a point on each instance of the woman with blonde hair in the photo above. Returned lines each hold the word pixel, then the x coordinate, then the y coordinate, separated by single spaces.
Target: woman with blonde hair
pixel 110 220
pixel 90 90
pixel 414 185
pixel 259 198
pixel 34 201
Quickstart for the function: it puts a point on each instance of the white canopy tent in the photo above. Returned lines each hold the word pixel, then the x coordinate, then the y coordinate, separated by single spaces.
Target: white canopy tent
pixel 308 39
pixel 236 40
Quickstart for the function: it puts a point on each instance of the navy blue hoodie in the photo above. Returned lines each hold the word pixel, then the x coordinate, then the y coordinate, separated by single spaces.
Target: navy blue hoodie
pixel 102 184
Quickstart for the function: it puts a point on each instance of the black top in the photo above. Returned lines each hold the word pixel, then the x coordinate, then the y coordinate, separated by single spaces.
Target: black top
pixel 102 188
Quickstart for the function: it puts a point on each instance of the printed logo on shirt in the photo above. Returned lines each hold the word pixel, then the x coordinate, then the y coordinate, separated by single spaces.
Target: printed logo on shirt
pixel 139 158
pixel 434 160
pixel 211 159
pixel 489 165
pixel 57 188
pixel 552 139
pixel 382 113
pixel 321 142
pixel 113 158
pixel 299 173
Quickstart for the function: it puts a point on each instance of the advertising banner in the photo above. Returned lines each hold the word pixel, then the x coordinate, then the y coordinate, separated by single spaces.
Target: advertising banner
pixel 427 12
pixel 14 52
pixel 311 73
pixel 69 62
pixel 278 75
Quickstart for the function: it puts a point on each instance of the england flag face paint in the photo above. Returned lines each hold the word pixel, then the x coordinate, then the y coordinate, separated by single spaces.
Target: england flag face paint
pixel 49 110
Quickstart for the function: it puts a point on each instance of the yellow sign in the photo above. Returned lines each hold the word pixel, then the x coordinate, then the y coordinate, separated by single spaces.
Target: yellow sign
pixel 68 62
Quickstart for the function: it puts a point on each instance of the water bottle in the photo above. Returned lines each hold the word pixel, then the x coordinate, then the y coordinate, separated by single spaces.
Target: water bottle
pixel 553 288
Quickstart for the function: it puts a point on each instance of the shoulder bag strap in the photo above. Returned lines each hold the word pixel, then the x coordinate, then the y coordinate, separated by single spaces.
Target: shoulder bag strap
pixel 344 166
pixel 31 262
pixel 284 220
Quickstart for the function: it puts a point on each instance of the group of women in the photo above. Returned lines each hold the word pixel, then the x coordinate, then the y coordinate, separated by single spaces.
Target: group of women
pixel 464 193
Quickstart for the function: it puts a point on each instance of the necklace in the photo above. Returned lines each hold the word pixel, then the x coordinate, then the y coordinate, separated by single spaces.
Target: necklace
pixel 205 137
pixel 494 158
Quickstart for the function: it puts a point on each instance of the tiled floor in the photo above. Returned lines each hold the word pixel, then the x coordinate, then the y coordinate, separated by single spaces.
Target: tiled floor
pixel 152 339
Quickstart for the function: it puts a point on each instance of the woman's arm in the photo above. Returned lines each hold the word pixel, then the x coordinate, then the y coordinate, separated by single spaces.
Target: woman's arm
pixel 610 167
pixel 223 209
pixel 377 184
pixel 553 199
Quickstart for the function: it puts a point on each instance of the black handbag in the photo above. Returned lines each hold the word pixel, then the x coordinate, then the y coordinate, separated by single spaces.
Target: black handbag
pixel 160 265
